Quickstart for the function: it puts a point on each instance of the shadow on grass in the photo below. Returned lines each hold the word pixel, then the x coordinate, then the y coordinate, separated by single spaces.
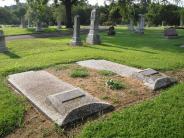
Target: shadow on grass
pixel 116 46
pixel 11 54
pixel 152 39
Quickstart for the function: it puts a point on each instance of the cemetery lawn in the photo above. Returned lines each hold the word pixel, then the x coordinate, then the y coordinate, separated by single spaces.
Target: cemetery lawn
pixel 8 31
pixel 161 117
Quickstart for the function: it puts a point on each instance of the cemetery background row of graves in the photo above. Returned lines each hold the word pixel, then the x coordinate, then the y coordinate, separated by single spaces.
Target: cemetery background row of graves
pixel 41 15
pixel 70 92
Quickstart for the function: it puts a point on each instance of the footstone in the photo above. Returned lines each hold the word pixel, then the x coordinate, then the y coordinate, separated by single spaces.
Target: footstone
pixel 76 41
pixel 93 36
pixel 153 79
pixel 122 70
pixel 182 46
pixel 2 42
pixel 58 100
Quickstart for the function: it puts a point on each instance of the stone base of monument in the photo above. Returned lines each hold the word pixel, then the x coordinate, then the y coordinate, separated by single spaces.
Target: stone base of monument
pixel 3 49
pixel 58 100
pixel 139 31
pixel 93 39
pixel 153 79
pixel 75 42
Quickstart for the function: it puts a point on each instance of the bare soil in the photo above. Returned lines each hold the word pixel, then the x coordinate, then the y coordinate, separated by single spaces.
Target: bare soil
pixel 36 125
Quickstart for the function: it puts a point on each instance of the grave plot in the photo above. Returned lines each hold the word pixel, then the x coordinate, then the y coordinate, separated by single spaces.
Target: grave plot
pixel 105 85
pixel 58 100
pixel 151 78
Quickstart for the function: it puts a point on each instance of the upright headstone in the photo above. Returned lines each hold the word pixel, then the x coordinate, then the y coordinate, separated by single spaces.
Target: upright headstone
pixel 76 33
pixel 141 23
pixel 38 27
pixel 111 31
pixel 58 25
pixel 170 32
pixel 93 36
pixel 2 42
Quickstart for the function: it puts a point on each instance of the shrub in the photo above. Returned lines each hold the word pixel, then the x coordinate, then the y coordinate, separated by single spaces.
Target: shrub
pixel 81 72
pixel 115 85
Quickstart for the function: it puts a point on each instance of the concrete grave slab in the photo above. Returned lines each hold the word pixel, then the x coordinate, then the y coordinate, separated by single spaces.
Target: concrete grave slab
pixel 60 101
pixel 153 79
pixel 122 70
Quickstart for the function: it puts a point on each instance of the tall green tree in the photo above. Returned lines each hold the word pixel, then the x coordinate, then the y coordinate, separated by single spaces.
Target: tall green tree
pixel 68 9
pixel 38 9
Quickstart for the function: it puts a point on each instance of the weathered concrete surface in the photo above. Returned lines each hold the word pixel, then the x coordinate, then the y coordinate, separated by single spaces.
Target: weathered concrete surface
pixel 153 79
pixel 122 70
pixel 60 101
pixel 76 104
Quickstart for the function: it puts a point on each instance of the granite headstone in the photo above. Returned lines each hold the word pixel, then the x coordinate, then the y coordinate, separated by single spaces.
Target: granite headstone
pixel 93 36
pixel 76 33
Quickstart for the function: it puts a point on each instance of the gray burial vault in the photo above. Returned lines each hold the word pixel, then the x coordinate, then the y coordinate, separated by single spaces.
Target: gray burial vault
pixel 60 101
pixel 151 78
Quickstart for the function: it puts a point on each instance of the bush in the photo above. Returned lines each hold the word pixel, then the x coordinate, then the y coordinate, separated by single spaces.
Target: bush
pixel 115 85
pixel 106 73
pixel 81 72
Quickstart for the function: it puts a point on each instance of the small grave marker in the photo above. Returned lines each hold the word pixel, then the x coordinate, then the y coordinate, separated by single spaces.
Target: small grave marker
pixel 2 42
pixel 170 33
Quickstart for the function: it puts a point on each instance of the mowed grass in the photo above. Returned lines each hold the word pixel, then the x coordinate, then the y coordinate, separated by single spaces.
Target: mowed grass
pixel 162 117
pixel 151 50
pixel 18 30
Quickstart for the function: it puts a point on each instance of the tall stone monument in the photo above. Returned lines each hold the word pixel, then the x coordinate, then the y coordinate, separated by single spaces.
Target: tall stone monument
pixel 2 42
pixel 76 33
pixel 141 23
pixel 93 36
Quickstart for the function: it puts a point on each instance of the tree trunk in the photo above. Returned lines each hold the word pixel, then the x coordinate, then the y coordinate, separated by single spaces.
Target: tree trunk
pixel 68 8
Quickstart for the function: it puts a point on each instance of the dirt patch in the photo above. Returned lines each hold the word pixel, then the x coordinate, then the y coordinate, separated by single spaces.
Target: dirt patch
pixel 37 125
pixel 178 74
pixel 95 84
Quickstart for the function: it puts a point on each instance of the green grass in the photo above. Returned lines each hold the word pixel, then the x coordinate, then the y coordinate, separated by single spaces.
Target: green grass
pixel 106 73
pixel 18 31
pixel 151 50
pixel 115 85
pixel 80 72
pixel 158 118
